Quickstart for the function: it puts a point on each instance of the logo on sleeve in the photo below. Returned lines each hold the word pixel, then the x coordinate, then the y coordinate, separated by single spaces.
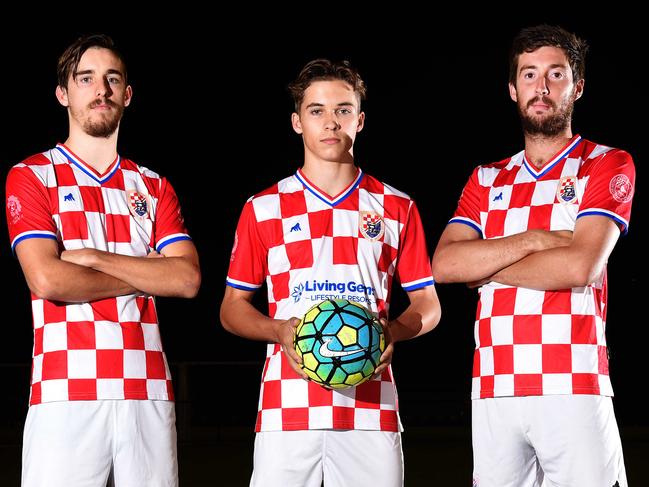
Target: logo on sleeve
pixel 138 204
pixel 621 188
pixel 234 246
pixel 567 189
pixel 15 209
pixel 371 225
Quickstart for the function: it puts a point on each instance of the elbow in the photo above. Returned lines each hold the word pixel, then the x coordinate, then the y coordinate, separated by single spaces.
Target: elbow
pixel 43 286
pixel 587 274
pixel 224 320
pixel 440 271
pixel 192 284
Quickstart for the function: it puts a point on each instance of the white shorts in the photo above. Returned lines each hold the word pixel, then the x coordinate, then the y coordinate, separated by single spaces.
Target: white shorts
pixel 130 443
pixel 562 440
pixel 342 458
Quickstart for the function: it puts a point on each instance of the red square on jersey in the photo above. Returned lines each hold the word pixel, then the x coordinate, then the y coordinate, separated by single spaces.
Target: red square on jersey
pixel 343 416
pixel 83 388
pixel 345 250
pixel 527 329
pixel 81 335
pixel 295 418
pixel 521 195
pixel 503 302
pixel 118 228
pixel 557 302
pixel 272 395
pixel 300 254
pixel 105 310
pixel 74 225
pixel 585 383
pixel 318 395
pixel 503 359
pixel 557 359
pixel 92 197
pixel 292 204
pixel 110 364
pixel 133 336
pixel 65 175
pixel 528 383
pixel 147 310
pixel 135 389
pixel 540 217
pixel 395 206
pixel 155 365
pixel 38 341
pixel 55 365
pixel 321 224
pixel 271 232
pixel 584 330
pixel 280 285
pixel 484 332
pixel 54 312
pixel 368 395
pixel 495 226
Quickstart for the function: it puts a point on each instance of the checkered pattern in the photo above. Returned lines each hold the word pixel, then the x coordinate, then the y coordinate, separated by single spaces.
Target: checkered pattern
pixel 310 247
pixel 532 342
pixel 111 348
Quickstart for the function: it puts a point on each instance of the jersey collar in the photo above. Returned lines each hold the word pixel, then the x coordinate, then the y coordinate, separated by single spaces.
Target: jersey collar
pixel 321 195
pixel 87 168
pixel 562 154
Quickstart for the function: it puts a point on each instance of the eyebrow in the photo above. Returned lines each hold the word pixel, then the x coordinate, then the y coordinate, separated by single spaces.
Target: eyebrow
pixel 92 71
pixel 341 104
pixel 533 66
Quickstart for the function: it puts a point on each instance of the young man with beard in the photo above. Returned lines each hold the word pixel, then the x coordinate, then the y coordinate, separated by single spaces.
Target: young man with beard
pixel 98 236
pixel 314 227
pixel 535 231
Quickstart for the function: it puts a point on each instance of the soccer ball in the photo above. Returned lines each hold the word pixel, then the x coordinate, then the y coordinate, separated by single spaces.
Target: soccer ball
pixel 340 343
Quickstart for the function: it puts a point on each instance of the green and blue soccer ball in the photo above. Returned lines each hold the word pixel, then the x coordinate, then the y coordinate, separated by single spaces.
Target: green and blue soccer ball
pixel 340 343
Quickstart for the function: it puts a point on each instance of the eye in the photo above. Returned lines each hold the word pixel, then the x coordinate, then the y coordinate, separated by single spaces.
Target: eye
pixel 114 80
pixel 344 111
pixel 557 75
pixel 84 80
pixel 528 75
pixel 315 111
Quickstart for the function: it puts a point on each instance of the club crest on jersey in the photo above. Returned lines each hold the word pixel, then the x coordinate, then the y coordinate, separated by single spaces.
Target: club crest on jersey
pixel 567 189
pixel 371 225
pixel 138 204
pixel 621 188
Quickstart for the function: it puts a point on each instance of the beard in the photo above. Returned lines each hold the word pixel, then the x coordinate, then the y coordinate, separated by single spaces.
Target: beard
pixel 551 125
pixel 106 124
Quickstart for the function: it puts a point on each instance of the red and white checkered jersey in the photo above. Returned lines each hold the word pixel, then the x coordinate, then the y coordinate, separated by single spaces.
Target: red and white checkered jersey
pixel 110 348
pixel 310 247
pixel 531 342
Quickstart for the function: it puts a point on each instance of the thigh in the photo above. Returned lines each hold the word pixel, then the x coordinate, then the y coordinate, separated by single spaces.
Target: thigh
pixel 288 459
pixel 68 444
pixel 502 454
pixel 577 440
pixel 356 457
pixel 145 445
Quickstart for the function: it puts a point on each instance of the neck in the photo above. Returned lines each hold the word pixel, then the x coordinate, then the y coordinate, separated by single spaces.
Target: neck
pixel 539 149
pixel 330 177
pixel 98 152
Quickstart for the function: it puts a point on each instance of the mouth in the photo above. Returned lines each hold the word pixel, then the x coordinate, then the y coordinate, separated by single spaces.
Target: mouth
pixel 330 140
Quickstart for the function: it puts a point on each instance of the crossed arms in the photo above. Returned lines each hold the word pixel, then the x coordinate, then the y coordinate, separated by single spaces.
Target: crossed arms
pixel 534 259
pixel 89 274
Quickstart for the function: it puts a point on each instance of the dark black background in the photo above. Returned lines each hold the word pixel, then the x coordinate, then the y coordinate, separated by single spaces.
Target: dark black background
pixel 211 112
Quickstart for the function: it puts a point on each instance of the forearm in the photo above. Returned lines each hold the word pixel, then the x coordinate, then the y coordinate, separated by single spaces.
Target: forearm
pixel 168 276
pixel 71 283
pixel 421 316
pixel 472 260
pixel 241 318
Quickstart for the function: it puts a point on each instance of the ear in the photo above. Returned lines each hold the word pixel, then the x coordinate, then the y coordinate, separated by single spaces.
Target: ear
pixel 512 92
pixel 579 89
pixel 62 95
pixel 361 122
pixel 296 123
pixel 128 94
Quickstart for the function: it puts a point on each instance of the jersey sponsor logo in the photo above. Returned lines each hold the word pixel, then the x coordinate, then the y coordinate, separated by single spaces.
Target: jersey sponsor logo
pixel 567 189
pixel 296 228
pixel 14 208
pixel 325 351
pixel 323 290
pixel 68 197
pixel 371 225
pixel 138 204
pixel 621 188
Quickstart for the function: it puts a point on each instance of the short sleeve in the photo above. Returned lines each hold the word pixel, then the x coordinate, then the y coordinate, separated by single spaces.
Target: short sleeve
pixel 413 266
pixel 249 258
pixel 169 222
pixel 468 208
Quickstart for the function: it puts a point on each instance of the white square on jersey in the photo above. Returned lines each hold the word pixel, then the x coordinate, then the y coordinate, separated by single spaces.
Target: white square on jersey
pixel 157 388
pixel 528 301
pixel 345 223
pixel 151 337
pixel 272 417
pixel 296 228
pixel 127 309
pixel 82 364
pixel 294 393
pixel 563 217
pixel 373 201
pixel 486 360
pixel 516 220
pixel 108 336
pixel 528 359
pixel 321 417
pixel 556 382
pixel 80 312
pixel 347 397
pixel 584 359
pixel 544 193
pixel 55 337
pixel 486 301
pixel 499 197
pixel 504 384
pixel 369 418
pixel 392 231
pixel 278 260
pixel 69 199
pixel 502 330
pixel 267 207
pixel 114 200
pixel 274 371
pixel 37 369
pixel 556 329
pixel 110 388
pixel 37 312
pixel 55 388
pixel 582 301
pixel 388 396
pixel 323 249
pixel 134 364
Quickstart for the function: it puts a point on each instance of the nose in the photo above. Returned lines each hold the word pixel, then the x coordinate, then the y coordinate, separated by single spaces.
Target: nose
pixel 103 88
pixel 332 122
pixel 542 86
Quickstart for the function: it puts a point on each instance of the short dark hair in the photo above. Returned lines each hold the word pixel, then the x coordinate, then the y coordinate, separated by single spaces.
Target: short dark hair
pixel 532 38
pixel 325 70
pixel 69 60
